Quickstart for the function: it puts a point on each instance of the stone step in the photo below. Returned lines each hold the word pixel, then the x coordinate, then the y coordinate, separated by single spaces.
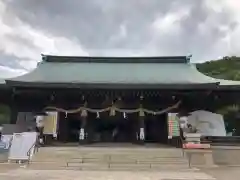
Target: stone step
pixel 99 164
pixel 96 166
pixel 142 156
pixel 81 148
pixel 120 155
pixel 108 159
pixel 63 163
pixel 113 159
pixel 111 151
pixel 73 155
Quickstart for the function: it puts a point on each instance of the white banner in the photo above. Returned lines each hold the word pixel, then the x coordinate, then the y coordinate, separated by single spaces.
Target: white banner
pixel 21 144
pixel 50 123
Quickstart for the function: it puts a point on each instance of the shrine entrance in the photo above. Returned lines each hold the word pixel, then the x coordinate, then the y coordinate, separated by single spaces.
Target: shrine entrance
pixel 103 129
pixel 112 129
pixel 68 127
pixel 156 129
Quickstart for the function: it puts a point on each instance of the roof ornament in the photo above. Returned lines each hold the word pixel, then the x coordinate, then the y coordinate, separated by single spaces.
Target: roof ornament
pixel 44 57
pixel 189 58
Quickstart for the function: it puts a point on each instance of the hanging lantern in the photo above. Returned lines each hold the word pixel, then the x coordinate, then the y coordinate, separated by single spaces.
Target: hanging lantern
pixel 98 115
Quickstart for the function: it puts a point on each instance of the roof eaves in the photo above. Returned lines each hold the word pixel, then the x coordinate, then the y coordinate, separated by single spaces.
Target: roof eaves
pixel 114 85
pixel 88 59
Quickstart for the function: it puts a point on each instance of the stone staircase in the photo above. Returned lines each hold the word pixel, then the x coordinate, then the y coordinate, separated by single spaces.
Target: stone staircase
pixel 108 158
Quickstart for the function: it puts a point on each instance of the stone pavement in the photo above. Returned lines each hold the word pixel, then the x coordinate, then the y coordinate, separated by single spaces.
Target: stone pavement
pixel 26 174
pixel 224 173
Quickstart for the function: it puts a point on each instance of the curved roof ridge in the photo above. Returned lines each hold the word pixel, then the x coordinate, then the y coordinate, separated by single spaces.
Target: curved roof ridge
pixel 223 82
pixel 203 75
pixel 95 59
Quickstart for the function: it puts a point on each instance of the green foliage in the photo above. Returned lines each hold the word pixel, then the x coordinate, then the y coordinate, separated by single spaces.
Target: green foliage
pixel 226 68
pixel 4 114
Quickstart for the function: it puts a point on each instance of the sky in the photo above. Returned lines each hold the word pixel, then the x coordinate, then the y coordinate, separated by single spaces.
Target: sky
pixel 207 29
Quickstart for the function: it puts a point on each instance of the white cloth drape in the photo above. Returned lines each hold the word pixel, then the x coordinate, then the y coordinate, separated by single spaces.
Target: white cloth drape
pixel 207 123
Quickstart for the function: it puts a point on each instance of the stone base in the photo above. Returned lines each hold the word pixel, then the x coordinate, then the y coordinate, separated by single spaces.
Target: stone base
pixel 226 155
pixel 200 157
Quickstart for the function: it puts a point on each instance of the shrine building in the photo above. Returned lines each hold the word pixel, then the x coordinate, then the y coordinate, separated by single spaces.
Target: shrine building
pixel 115 99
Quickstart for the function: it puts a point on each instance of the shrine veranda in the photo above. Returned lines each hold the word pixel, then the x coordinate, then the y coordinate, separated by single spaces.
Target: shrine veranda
pixel 129 95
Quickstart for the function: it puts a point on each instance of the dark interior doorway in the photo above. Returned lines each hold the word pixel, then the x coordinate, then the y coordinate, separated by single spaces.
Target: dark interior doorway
pixel 112 129
pixel 74 124
pixel 156 129
pixel 68 129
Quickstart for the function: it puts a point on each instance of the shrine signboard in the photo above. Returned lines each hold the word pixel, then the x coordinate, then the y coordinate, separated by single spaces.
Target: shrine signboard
pixel 173 125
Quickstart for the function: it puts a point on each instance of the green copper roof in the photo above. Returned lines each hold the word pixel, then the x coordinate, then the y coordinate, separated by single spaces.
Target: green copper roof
pixel 2 81
pixel 94 72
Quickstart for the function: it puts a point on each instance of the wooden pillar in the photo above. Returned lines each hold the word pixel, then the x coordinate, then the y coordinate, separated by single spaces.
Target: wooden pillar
pixel 13 114
pixel 63 127
pixel 13 109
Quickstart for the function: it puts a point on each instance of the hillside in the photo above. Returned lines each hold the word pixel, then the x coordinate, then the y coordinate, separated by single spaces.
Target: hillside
pixel 226 68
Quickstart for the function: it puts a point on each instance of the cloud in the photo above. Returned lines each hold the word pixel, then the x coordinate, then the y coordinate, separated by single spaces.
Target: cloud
pixel 6 72
pixel 21 44
pixel 206 29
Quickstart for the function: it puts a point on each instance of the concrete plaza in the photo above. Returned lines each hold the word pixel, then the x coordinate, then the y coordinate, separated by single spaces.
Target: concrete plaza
pixel 27 174
pixel 220 173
